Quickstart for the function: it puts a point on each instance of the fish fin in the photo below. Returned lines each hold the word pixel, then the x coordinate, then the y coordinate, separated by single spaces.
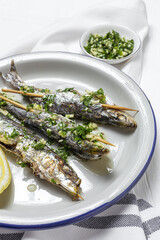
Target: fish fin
pixel 13 67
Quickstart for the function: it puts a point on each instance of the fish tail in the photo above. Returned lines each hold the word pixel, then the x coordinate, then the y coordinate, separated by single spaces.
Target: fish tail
pixel 13 67
pixel 13 77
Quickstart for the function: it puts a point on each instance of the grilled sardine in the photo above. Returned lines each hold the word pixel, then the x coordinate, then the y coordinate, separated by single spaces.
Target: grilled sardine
pixel 38 156
pixel 70 101
pixel 77 137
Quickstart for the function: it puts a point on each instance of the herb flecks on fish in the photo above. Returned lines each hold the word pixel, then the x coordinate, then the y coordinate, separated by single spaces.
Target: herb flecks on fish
pixel 39 145
pixel 83 106
pixel 26 89
pixel 60 128
pixel 36 154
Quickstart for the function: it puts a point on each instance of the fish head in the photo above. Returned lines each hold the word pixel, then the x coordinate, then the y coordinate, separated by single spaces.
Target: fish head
pixel 64 175
pixel 118 118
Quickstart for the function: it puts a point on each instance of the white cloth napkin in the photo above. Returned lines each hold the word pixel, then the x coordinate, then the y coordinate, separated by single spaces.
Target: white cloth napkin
pixel 132 217
pixel 66 36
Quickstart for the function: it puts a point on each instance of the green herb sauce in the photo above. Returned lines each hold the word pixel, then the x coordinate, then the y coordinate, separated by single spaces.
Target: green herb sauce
pixel 109 46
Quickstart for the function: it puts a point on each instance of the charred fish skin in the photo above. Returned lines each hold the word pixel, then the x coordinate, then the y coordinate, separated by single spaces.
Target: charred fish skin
pixel 72 102
pixel 58 127
pixel 44 162
pixel 69 103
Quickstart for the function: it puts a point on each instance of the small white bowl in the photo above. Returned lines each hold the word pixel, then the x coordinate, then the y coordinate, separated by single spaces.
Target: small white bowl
pixel 105 28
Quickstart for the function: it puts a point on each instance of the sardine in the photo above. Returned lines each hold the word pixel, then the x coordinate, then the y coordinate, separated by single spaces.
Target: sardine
pixel 64 130
pixel 70 101
pixel 34 152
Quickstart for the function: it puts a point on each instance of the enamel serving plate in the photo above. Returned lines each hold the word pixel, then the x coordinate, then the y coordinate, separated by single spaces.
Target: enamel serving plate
pixel 48 206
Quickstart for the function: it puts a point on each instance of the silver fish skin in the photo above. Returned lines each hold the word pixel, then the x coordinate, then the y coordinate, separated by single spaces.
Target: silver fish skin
pixel 50 124
pixel 45 163
pixel 70 102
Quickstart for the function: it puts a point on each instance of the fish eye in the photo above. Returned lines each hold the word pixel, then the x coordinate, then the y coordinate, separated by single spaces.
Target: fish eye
pixel 122 118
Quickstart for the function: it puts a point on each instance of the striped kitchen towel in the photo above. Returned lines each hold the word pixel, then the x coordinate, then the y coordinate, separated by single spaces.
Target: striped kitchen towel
pixel 130 217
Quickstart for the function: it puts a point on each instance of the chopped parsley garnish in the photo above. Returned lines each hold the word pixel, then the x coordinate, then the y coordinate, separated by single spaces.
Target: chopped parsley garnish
pixel 101 135
pixel 39 145
pixel 6 135
pixel 25 148
pixel 51 121
pixel 62 126
pixel 49 132
pixel 46 90
pixel 88 99
pixel 29 107
pixel 80 132
pixel 37 107
pixel 63 152
pixel 22 164
pixel 10 116
pixel 92 125
pixel 53 181
pixel 26 88
pixel 48 101
pixel 2 103
pixel 62 133
pixel 100 95
pixel 62 129
pixel 22 123
pixel 69 115
pixel 70 90
pixel 67 90
pixel 14 134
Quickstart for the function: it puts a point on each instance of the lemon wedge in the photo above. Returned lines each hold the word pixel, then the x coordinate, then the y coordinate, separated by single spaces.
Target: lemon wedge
pixel 5 172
